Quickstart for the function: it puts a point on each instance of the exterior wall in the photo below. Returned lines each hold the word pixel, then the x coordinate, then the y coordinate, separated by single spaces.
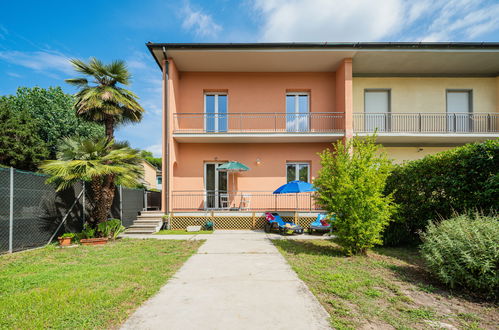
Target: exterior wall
pixel 403 154
pixel 256 92
pixel 428 94
pixel 149 175
pixel 268 176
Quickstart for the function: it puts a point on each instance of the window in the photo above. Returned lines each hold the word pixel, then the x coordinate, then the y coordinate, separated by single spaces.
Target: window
pixel 297 171
pixel 215 109
pixel 297 108
pixel 377 109
pixel 459 107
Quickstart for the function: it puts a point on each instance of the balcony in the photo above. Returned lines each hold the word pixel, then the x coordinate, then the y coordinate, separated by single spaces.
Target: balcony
pixel 259 127
pixel 428 127
pixel 241 201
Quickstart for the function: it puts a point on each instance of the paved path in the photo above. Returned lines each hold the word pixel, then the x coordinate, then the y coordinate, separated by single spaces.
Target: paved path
pixel 237 280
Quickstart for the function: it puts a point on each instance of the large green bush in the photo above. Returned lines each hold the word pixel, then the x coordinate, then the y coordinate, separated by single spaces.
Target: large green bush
pixel 350 184
pixel 464 251
pixel 437 186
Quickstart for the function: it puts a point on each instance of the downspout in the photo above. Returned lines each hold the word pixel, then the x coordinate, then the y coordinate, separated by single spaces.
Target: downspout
pixel 166 127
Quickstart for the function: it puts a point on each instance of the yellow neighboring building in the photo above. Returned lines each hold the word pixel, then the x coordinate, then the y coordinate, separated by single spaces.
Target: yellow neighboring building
pixel 151 176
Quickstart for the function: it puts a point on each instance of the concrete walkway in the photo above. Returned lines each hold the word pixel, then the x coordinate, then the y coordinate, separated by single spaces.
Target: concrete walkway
pixel 237 280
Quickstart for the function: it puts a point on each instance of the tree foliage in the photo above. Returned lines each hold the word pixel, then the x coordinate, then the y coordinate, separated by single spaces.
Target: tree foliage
pixel 19 146
pixel 105 101
pixel 350 184
pixel 97 162
pixel 435 187
pixel 54 114
pixel 155 161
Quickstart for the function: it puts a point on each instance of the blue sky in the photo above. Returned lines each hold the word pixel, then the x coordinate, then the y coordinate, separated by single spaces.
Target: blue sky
pixel 37 37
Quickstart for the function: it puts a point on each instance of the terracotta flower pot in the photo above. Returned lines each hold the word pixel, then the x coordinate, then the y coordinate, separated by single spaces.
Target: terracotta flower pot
pixel 64 241
pixel 94 241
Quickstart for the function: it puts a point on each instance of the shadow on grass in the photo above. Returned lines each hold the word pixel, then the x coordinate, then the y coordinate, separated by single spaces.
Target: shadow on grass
pixel 414 271
pixel 309 247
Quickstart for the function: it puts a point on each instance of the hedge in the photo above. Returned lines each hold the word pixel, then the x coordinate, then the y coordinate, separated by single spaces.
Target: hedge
pixel 438 186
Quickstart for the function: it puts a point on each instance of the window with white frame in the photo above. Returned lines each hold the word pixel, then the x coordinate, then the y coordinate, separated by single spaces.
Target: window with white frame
pixel 215 109
pixel 459 107
pixel 297 109
pixel 297 171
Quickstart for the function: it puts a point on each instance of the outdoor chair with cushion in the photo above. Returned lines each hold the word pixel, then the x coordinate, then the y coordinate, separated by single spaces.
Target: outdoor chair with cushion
pixel 275 222
pixel 320 224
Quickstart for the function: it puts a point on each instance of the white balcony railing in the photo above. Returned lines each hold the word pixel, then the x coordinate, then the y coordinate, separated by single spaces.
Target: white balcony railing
pixel 426 122
pixel 313 122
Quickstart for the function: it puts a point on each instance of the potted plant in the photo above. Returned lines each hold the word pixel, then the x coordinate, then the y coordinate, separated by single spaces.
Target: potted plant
pixel 87 237
pixel 65 239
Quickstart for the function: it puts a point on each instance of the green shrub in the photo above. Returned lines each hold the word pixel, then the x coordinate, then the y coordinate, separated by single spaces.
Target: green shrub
pixel 87 232
pixel 437 186
pixel 464 251
pixel 68 235
pixel 110 228
pixel 351 185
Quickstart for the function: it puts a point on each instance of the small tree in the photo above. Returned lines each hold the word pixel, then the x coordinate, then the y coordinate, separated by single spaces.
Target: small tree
pixel 19 147
pixel 350 184
pixel 97 162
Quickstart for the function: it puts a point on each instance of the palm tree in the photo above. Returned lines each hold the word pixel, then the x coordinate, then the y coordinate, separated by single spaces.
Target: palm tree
pixel 98 162
pixel 104 101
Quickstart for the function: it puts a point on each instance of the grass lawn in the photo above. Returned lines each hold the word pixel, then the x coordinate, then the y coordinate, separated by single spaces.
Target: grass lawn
pixel 86 286
pixel 388 289
pixel 183 232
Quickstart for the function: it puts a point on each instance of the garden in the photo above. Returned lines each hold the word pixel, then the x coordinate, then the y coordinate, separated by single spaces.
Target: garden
pixel 416 245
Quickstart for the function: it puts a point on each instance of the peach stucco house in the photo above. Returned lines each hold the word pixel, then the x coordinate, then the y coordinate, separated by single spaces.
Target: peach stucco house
pixel 273 107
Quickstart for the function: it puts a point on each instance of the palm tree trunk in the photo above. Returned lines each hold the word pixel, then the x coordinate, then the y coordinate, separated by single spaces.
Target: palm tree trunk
pixel 104 196
pixel 109 124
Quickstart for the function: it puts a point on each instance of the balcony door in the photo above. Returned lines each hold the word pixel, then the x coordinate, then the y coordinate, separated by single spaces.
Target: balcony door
pixel 297 112
pixel 458 110
pixel 215 183
pixel 215 109
pixel 377 110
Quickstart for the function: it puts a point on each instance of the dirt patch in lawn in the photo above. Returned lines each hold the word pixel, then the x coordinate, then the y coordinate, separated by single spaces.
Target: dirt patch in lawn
pixel 388 289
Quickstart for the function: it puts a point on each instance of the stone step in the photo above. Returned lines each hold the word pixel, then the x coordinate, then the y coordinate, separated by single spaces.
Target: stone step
pixel 140 231
pixel 139 225
pixel 150 216
pixel 150 222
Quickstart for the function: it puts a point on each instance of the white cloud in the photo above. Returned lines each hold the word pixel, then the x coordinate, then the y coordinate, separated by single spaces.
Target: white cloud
pixel 201 23
pixel 47 62
pixel 328 20
pixel 13 74
pixel 156 149
pixel 367 20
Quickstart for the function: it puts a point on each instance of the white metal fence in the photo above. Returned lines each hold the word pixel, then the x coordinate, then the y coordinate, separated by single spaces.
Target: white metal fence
pixel 32 213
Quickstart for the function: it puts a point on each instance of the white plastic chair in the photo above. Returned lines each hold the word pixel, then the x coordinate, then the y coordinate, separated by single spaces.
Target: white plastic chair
pixel 224 201
pixel 245 202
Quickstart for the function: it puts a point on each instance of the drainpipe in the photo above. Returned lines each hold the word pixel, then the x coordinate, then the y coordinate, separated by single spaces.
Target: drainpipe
pixel 166 136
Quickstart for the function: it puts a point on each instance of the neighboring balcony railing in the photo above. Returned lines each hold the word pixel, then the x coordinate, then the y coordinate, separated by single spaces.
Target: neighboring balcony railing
pixel 426 122
pixel 313 122
pixel 249 201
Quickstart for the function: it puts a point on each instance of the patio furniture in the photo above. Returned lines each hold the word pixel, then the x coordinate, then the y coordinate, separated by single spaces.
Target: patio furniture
pixel 319 225
pixel 275 222
pixel 245 202
pixel 224 201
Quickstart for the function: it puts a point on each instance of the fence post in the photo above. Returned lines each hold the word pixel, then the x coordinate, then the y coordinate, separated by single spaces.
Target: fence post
pixel 145 200
pixel 11 210
pixel 121 204
pixel 83 204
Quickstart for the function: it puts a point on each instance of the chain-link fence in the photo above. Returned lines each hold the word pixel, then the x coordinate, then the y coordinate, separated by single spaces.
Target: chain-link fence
pixel 31 211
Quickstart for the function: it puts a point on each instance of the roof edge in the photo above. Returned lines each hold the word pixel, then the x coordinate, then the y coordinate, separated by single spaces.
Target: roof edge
pixel 331 45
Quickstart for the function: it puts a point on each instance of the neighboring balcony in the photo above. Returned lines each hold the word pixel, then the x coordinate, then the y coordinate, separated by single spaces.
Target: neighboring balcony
pixel 265 127
pixel 428 127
